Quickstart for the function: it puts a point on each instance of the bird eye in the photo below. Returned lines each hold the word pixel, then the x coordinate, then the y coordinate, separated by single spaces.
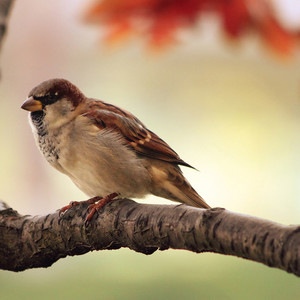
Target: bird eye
pixel 47 98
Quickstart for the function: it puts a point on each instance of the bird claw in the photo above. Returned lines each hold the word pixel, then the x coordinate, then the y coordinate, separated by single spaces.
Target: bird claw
pixel 92 208
pixel 96 207
pixel 65 208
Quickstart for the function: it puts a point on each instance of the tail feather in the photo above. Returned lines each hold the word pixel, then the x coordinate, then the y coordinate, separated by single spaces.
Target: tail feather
pixel 195 198
pixel 171 184
pixel 184 194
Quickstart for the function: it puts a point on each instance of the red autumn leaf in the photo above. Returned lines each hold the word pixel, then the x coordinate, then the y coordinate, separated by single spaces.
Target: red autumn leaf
pixel 235 16
pixel 160 20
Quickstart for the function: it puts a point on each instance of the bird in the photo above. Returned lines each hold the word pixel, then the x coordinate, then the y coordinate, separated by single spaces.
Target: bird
pixel 105 150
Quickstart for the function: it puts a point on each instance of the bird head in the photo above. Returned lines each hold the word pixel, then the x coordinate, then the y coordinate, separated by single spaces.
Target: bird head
pixel 53 101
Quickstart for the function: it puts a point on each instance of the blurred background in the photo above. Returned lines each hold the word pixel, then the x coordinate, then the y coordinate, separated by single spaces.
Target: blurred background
pixel 229 107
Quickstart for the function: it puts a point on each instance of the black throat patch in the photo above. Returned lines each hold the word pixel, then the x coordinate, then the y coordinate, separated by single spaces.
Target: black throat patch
pixel 37 118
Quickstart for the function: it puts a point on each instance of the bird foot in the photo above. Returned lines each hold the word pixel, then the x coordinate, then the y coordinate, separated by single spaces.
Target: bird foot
pixel 96 207
pixel 96 204
pixel 74 203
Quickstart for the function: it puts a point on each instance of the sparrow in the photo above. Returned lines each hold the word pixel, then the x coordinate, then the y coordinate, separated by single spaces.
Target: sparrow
pixel 105 150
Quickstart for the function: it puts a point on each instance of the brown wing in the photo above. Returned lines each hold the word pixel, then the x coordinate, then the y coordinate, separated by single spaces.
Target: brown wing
pixel 142 140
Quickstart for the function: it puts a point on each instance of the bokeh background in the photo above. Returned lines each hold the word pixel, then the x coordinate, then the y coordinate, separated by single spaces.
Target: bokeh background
pixel 232 111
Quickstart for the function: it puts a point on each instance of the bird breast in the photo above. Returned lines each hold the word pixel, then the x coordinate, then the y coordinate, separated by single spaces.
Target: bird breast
pixel 98 161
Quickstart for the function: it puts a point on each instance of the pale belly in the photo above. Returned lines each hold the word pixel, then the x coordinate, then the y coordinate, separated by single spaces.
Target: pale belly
pixel 103 166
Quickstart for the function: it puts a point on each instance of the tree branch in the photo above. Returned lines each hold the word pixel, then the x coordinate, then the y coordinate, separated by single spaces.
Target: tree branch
pixel 32 242
pixel 5 6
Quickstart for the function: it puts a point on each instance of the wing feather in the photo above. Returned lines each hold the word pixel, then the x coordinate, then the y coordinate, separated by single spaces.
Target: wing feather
pixel 142 140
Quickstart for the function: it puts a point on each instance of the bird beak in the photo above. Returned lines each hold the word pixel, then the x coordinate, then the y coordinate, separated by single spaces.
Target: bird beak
pixel 32 104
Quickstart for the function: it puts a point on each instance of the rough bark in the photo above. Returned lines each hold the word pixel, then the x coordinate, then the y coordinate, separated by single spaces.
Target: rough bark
pixel 32 242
